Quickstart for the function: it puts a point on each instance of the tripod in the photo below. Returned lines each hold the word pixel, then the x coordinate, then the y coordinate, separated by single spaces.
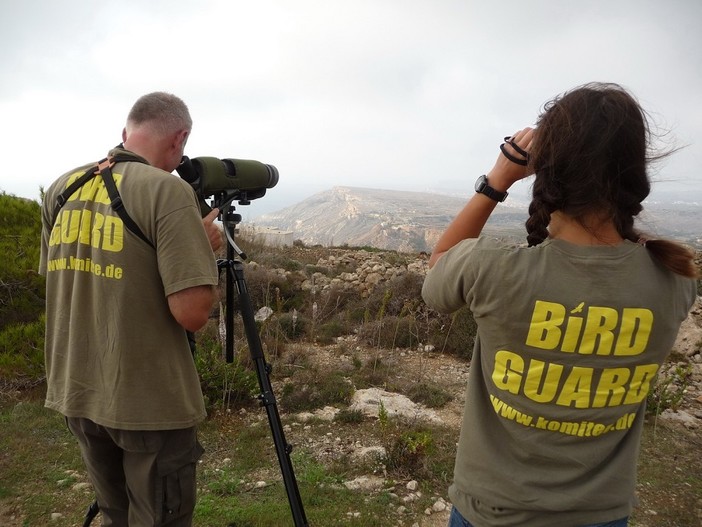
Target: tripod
pixel 235 276
pixel 234 268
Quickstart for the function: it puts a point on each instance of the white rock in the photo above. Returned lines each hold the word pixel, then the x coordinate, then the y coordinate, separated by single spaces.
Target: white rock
pixel 439 505
pixel 688 420
pixel 368 401
pixel 364 483
pixel 369 453
pixel 263 314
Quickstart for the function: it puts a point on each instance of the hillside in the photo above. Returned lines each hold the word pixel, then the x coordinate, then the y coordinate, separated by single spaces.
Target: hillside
pixel 413 221
pixel 384 219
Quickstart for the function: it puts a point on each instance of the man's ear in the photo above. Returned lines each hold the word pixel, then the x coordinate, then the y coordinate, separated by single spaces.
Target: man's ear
pixel 181 139
pixel 124 135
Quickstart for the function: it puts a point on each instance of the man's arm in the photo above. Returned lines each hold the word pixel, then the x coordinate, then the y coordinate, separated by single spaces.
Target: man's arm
pixel 191 307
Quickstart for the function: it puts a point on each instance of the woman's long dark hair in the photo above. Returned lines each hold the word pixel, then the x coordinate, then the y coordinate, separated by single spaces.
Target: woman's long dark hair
pixel 590 155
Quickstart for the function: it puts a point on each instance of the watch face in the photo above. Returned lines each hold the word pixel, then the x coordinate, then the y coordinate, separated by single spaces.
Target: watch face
pixel 482 187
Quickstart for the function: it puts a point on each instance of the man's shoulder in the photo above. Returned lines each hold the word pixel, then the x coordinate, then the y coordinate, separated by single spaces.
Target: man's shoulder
pixel 140 174
pixel 60 183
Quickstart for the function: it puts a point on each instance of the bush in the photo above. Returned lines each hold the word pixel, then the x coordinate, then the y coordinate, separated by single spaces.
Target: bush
pixel 428 395
pixel 408 453
pixel 669 389
pixel 21 287
pixel 454 333
pixel 311 391
pixel 294 326
pixel 391 332
pixel 224 385
pixel 267 288
pixel 22 351
pixel 400 296
pixel 329 331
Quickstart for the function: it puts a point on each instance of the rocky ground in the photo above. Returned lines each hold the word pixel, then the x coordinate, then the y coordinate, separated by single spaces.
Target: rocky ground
pixel 675 446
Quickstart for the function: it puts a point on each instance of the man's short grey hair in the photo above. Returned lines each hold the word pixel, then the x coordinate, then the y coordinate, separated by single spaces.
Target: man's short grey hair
pixel 164 111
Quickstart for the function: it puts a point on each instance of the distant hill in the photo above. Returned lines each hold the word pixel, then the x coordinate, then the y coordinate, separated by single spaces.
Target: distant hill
pixel 413 221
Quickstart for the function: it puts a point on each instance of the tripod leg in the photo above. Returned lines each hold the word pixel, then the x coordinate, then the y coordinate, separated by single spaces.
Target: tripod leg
pixel 92 512
pixel 267 397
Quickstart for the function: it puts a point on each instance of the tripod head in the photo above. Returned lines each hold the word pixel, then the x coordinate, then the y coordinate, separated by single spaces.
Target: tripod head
pixel 230 219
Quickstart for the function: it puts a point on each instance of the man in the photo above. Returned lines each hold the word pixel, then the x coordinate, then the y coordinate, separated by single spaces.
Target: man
pixel 118 305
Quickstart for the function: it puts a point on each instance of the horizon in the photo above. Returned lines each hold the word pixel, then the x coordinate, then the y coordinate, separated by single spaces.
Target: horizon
pixel 519 198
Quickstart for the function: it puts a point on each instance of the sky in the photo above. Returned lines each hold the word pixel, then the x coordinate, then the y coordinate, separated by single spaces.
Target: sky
pixel 392 94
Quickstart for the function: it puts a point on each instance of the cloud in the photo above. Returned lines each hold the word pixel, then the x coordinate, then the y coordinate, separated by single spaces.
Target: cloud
pixel 408 95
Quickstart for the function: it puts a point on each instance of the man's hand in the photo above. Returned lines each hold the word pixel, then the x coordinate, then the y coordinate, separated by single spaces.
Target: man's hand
pixel 214 231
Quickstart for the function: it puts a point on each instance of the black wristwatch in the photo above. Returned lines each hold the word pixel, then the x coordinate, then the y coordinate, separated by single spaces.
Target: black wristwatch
pixel 482 187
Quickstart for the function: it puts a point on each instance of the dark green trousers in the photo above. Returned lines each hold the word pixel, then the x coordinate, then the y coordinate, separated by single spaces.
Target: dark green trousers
pixel 141 478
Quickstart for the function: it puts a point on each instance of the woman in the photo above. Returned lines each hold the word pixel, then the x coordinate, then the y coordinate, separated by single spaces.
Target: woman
pixel 571 330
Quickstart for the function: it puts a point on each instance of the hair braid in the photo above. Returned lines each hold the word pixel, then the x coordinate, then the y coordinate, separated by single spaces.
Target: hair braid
pixel 536 225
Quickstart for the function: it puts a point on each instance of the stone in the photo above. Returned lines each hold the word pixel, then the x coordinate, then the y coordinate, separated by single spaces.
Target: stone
pixel 369 401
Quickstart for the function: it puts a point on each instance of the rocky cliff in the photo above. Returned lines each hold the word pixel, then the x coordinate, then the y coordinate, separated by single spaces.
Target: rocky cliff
pixel 413 221
pixel 384 219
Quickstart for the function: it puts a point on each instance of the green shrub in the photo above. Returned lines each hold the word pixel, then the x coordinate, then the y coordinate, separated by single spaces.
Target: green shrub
pixel 311 391
pixel 408 453
pixel 391 332
pixel 329 331
pixel 429 395
pixel 21 287
pixel 349 416
pixel 454 334
pixel 224 385
pixel 399 296
pixel 22 351
pixel 294 326
pixel 669 389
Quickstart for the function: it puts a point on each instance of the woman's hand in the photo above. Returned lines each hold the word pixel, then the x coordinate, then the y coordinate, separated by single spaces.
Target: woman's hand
pixel 505 172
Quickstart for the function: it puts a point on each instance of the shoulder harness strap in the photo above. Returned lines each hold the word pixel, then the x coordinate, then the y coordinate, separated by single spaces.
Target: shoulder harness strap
pixel 104 168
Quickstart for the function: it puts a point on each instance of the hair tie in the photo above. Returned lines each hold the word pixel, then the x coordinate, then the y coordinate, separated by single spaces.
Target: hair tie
pixel 510 141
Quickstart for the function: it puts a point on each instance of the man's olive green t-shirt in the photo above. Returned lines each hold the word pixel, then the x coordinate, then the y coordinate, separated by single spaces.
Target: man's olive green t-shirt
pixel 114 352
